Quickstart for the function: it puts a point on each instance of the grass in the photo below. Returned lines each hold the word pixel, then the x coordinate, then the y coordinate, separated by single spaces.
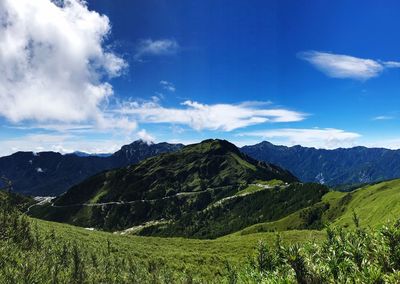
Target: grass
pixel 375 205
pixel 256 186
pixel 272 182
pixel 202 258
pixel 250 189
pixel 243 162
pixel 55 253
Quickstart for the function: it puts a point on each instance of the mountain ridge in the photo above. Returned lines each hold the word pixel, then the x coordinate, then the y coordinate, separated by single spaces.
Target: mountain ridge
pixel 52 173
pixel 342 167
pixel 334 167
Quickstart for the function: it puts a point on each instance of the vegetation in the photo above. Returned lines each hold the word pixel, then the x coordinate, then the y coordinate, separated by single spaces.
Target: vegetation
pixel 261 185
pixel 346 256
pixel 376 204
pixel 45 252
pixel 237 212
pixel 228 202
pixel 36 251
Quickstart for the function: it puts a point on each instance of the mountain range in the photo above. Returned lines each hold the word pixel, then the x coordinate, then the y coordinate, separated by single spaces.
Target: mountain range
pixel 337 167
pixel 51 173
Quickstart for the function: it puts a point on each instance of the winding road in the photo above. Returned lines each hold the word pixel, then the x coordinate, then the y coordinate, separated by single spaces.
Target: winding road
pixel 45 200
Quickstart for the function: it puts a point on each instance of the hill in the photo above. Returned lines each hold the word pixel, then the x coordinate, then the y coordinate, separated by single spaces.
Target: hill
pixel 338 167
pixel 190 188
pixel 374 205
pixel 50 173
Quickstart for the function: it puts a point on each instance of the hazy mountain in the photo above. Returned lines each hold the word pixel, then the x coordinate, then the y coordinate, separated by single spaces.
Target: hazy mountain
pixel 84 154
pixel 51 173
pixel 343 166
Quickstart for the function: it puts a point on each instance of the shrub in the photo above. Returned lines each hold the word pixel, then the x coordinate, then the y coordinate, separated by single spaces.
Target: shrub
pixel 346 256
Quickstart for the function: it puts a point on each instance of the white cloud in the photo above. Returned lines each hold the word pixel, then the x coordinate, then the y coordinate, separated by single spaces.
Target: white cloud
pixel 383 117
pixel 145 136
pixel 64 143
pixel 53 63
pixel 167 86
pixel 392 64
pixel 314 137
pixel 149 47
pixel 71 141
pixel 225 117
pixel 345 66
pixel 393 144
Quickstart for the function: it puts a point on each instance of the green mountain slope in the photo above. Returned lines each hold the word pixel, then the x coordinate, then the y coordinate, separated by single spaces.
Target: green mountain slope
pixel 236 212
pixel 175 186
pixel 15 200
pixel 375 205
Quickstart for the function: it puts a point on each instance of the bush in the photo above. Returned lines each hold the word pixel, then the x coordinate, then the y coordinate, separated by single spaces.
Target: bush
pixel 346 256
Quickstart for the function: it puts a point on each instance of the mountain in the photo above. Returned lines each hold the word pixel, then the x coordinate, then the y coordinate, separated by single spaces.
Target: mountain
pixel 50 173
pixel 140 150
pixel 375 205
pixel 84 154
pixel 338 167
pixel 203 190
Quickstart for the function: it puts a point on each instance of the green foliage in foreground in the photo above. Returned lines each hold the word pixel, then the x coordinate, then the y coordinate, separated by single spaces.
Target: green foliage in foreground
pixel 346 256
pixel 28 255
pixel 36 251
pixel 57 253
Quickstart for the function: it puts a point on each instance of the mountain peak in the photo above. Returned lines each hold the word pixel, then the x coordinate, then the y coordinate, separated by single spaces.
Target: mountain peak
pixel 142 142
pixel 213 146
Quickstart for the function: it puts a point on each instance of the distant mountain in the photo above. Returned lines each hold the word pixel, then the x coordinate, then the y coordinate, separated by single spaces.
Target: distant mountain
pixel 184 191
pixel 84 154
pixel 338 167
pixel 140 150
pixel 50 173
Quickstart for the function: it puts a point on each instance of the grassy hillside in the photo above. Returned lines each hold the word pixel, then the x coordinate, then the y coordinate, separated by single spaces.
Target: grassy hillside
pixel 46 251
pixel 201 258
pixel 36 251
pixel 374 204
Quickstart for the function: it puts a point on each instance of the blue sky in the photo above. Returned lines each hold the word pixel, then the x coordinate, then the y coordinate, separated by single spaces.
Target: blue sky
pixel 95 76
